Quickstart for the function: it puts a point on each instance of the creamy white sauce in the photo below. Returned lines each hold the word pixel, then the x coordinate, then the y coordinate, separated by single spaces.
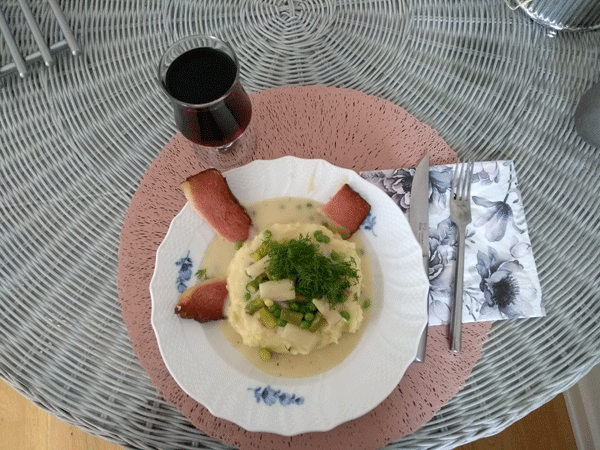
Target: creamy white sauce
pixel 216 261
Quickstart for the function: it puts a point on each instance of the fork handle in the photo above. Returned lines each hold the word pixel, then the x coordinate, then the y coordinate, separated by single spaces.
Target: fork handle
pixel 456 320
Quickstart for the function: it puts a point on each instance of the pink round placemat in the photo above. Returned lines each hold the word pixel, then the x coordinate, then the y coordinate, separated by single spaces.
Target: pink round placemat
pixel 349 129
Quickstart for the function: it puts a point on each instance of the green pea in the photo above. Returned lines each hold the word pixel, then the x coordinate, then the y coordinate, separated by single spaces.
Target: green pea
pixel 320 237
pixel 324 239
pixel 309 317
pixel 302 307
pixel 305 325
pixel 294 306
pixel 275 310
pixel 265 354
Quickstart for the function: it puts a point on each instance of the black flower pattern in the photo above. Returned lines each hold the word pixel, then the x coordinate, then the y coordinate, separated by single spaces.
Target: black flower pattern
pixel 501 285
pixel 395 183
pixel 442 253
pixel 440 182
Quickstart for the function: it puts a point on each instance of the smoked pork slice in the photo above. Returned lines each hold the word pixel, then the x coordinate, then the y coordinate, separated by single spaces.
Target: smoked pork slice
pixel 203 302
pixel 345 211
pixel 210 196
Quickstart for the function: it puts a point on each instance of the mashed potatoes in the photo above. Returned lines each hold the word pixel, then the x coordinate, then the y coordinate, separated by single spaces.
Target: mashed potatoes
pixel 344 316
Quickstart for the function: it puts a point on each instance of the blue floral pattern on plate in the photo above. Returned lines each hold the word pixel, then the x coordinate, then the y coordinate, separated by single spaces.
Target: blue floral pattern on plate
pixel 501 280
pixel 270 396
pixel 369 223
pixel 185 272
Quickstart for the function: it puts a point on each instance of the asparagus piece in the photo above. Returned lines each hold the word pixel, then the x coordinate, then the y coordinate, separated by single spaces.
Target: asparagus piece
pixel 261 251
pixel 254 305
pixel 267 318
pixel 291 316
pixel 252 286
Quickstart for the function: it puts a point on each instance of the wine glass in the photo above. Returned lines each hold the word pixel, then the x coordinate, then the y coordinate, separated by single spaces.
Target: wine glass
pixel 201 77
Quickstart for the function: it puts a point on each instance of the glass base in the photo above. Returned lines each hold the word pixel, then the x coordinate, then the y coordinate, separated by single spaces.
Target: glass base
pixel 234 154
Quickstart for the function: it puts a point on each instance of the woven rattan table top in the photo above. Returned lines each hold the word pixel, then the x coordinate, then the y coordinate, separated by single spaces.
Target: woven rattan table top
pixel 76 138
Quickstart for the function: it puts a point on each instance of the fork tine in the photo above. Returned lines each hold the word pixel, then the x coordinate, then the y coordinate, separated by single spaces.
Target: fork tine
pixel 468 180
pixel 456 178
pixel 465 181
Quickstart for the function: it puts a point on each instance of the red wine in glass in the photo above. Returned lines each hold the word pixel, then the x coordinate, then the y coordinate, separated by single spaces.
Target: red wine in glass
pixel 206 76
pixel 200 75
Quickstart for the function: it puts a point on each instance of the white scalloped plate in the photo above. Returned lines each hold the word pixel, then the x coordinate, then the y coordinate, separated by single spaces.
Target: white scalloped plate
pixel 214 373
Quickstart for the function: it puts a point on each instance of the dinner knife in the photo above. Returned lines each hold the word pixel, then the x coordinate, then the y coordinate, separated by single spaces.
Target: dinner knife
pixel 418 217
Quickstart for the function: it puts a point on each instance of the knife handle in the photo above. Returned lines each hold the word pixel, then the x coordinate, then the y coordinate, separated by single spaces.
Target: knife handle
pixel 422 349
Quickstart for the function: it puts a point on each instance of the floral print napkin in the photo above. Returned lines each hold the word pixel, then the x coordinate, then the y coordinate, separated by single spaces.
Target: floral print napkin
pixel 501 280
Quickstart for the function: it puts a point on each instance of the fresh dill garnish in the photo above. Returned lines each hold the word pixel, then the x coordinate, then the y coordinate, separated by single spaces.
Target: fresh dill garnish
pixel 314 275
pixel 201 274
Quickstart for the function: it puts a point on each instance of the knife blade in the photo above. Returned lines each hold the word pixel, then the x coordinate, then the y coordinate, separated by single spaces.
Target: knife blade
pixel 418 218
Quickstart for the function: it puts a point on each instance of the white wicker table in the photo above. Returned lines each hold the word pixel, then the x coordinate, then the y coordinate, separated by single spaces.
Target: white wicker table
pixel 76 138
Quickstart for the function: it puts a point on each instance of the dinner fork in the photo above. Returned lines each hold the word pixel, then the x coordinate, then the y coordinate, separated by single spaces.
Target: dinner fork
pixel 460 214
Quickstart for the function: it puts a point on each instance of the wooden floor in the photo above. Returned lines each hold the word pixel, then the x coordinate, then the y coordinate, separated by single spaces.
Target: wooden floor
pixel 23 426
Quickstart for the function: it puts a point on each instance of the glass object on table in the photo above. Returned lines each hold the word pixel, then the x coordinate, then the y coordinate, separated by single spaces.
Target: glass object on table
pixel 561 15
pixel 201 77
